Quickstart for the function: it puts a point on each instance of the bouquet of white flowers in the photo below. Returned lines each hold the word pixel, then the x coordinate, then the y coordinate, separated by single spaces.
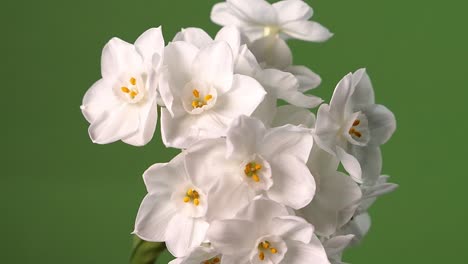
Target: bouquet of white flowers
pixel 254 182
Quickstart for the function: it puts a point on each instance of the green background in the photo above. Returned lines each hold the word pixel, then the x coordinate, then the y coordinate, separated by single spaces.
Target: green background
pixel 66 200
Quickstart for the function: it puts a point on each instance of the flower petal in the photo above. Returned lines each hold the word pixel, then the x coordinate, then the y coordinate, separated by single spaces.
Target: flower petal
pixel 99 99
pixel 336 245
pixel 363 92
pixel 293 228
pixel 306 30
pixel 242 99
pixel 299 253
pixel 370 160
pixel 272 51
pixel 291 10
pixel 153 217
pixel 262 211
pixel 148 121
pixel 162 178
pixel 222 14
pixel 214 65
pixel 339 101
pixel 293 184
pixel 350 164
pixel 308 80
pixel 326 130
pixel 232 36
pixel 382 124
pixel 195 36
pixel 114 125
pixel 258 11
pixel 184 233
pixel 225 236
pixel 289 141
pixel 119 56
pixel 290 114
pixel 266 111
pixel 149 43
pixel 242 137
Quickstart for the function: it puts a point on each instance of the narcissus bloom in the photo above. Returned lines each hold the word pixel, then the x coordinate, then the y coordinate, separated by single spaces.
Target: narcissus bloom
pixel 353 127
pixel 265 232
pixel 175 208
pixel 254 160
pixel 122 105
pixel 202 94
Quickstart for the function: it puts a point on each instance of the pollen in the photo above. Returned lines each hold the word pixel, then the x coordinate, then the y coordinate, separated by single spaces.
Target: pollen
pixel 353 131
pixel 196 93
pixel 273 250
pixel 133 81
pixel 214 260
pixel 261 256
pixel 208 97
pixel 199 101
pixel 133 94
pixel 192 196
pixel 251 170
pixel 125 89
pixel 265 244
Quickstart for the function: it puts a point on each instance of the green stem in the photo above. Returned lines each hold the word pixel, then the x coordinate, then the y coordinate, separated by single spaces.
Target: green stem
pixel 145 252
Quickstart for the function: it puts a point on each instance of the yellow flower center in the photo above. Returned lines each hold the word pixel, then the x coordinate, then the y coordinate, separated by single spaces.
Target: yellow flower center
pixel 263 247
pixel 214 260
pixel 192 196
pixel 353 130
pixel 252 169
pixel 132 91
pixel 270 31
pixel 198 101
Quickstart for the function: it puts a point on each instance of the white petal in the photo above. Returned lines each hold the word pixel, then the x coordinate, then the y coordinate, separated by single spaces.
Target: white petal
pixel 223 15
pixel 328 211
pixel 118 57
pixel 299 99
pixel 99 99
pixel 306 30
pixel 370 160
pixel 382 124
pixel 259 11
pixel 214 66
pixel 232 36
pixel 326 130
pixel 341 95
pixel 350 164
pixel 293 184
pixel 153 217
pixel 307 79
pixel 178 60
pixel 232 237
pixel 163 178
pixel 242 99
pixel 149 43
pixel 291 10
pixel 178 132
pixel 246 63
pixel 114 125
pixel 184 233
pixel 336 245
pixel 287 140
pixel 195 36
pixel 148 121
pixel 293 228
pixel 300 253
pixel 262 211
pixel 242 137
pixel 363 92
pixel 236 259
pixel 266 111
pixel 272 51
pixel 290 114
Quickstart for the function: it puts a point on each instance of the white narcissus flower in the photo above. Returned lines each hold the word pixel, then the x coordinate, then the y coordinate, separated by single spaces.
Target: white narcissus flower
pixel 175 208
pixel 336 198
pixel 278 84
pixel 202 94
pixel 353 127
pixel 122 105
pixel 253 160
pixel 265 232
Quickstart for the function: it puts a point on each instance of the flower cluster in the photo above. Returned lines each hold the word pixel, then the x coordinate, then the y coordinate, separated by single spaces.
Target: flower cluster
pixel 254 182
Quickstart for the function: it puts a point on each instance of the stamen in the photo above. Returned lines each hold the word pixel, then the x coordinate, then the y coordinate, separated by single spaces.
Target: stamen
pixel 186 199
pixel 258 167
pixel 133 94
pixel 125 89
pixel 357 134
pixel 216 260
pixel 133 81
pixel 261 256
pixel 265 245
pixel 208 97
pixel 255 178
pixel 273 250
pixel 196 202
pixel 196 93
pixel 190 192
pixel 357 122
